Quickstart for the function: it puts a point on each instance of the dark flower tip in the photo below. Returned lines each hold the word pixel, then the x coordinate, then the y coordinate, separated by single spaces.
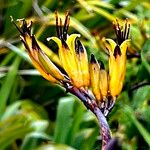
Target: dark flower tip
pixel 122 32
pixel 79 47
pixel 62 29
pixel 117 51
pixel 102 66
pixel 24 27
pixel 93 59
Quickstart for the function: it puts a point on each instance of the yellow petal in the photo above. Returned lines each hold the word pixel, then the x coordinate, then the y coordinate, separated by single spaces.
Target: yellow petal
pixel 103 82
pixel 62 56
pixel 124 46
pixel 77 77
pixel 55 39
pixel 94 77
pixel 69 62
pixel 117 69
pixel 49 53
pixel 50 68
pixel 42 71
pixel 83 63
pixel 111 45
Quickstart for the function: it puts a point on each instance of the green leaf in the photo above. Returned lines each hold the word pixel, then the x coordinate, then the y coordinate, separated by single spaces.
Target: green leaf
pixel 64 119
pixel 11 110
pixel 55 147
pixel 15 127
pixel 33 139
pixel 140 96
pixel 85 139
pixel 145 55
pixel 129 112
pixel 8 84
pixel 18 51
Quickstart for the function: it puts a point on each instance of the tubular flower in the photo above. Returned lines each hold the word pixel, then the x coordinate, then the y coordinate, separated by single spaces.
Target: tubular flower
pixel 72 54
pixel 95 78
pixel 117 59
pixel 99 79
pixel 79 73
pixel 39 59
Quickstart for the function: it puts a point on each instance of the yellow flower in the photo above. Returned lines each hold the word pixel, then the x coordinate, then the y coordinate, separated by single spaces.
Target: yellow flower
pixel 99 80
pixel 117 59
pixel 39 59
pixel 95 78
pixel 72 54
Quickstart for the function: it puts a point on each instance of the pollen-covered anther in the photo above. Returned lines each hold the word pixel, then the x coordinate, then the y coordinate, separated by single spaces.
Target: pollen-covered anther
pixel 61 29
pixel 122 32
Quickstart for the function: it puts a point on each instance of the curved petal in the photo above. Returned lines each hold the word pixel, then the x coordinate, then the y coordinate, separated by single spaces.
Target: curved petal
pixel 95 77
pixel 53 56
pixel 124 46
pixel 49 67
pixel 111 45
pixel 71 41
pixel 55 39
pixel 42 71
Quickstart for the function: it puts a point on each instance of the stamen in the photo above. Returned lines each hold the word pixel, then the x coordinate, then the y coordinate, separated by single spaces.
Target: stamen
pixel 60 29
pixel 66 25
pixel 12 20
pixel 25 28
pixel 128 30
pixel 57 26
pixel 125 31
pixel 64 44
pixel 121 33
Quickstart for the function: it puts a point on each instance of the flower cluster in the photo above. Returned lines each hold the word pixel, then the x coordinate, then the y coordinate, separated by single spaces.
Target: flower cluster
pixel 79 72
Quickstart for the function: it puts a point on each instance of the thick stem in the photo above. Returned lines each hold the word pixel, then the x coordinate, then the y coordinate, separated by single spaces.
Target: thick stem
pixel 91 104
pixel 104 128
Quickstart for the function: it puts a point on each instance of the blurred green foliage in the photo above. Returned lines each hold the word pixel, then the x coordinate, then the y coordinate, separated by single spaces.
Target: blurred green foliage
pixel 35 114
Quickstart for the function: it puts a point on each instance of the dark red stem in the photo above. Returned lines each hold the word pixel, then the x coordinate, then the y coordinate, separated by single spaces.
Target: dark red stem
pixel 91 104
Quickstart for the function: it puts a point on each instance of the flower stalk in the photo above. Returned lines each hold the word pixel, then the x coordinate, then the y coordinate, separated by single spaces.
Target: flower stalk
pixel 80 75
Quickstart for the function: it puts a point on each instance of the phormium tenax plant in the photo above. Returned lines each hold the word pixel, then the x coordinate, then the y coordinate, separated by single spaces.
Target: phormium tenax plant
pixel 81 74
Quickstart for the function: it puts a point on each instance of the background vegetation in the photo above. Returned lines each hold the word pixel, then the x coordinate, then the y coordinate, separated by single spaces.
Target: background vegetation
pixel 36 115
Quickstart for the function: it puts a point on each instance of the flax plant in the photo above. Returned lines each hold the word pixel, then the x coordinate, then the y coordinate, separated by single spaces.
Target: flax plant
pixel 79 75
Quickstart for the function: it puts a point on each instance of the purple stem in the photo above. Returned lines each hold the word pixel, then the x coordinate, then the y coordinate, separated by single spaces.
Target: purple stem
pixel 91 104
pixel 105 131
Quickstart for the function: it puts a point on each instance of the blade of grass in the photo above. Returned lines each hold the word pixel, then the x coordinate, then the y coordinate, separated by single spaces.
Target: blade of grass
pixel 8 84
pixel 7 59
pixel 103 13
pixel 91 8
pixel 145 54
pixel 64 119
pixel 129 112
pixel 100 4
pixel 13 128
pixel 18 51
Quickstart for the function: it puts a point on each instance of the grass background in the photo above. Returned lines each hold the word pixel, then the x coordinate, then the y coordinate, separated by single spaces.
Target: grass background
pixel 36 115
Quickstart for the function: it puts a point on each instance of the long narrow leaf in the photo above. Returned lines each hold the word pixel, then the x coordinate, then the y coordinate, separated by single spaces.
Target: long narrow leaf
pixel 129 112
pixel 8 84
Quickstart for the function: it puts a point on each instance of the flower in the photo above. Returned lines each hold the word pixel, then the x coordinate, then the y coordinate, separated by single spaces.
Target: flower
pixel 117 58
pixel 39 59
pixel 72 54
pixel 81 75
